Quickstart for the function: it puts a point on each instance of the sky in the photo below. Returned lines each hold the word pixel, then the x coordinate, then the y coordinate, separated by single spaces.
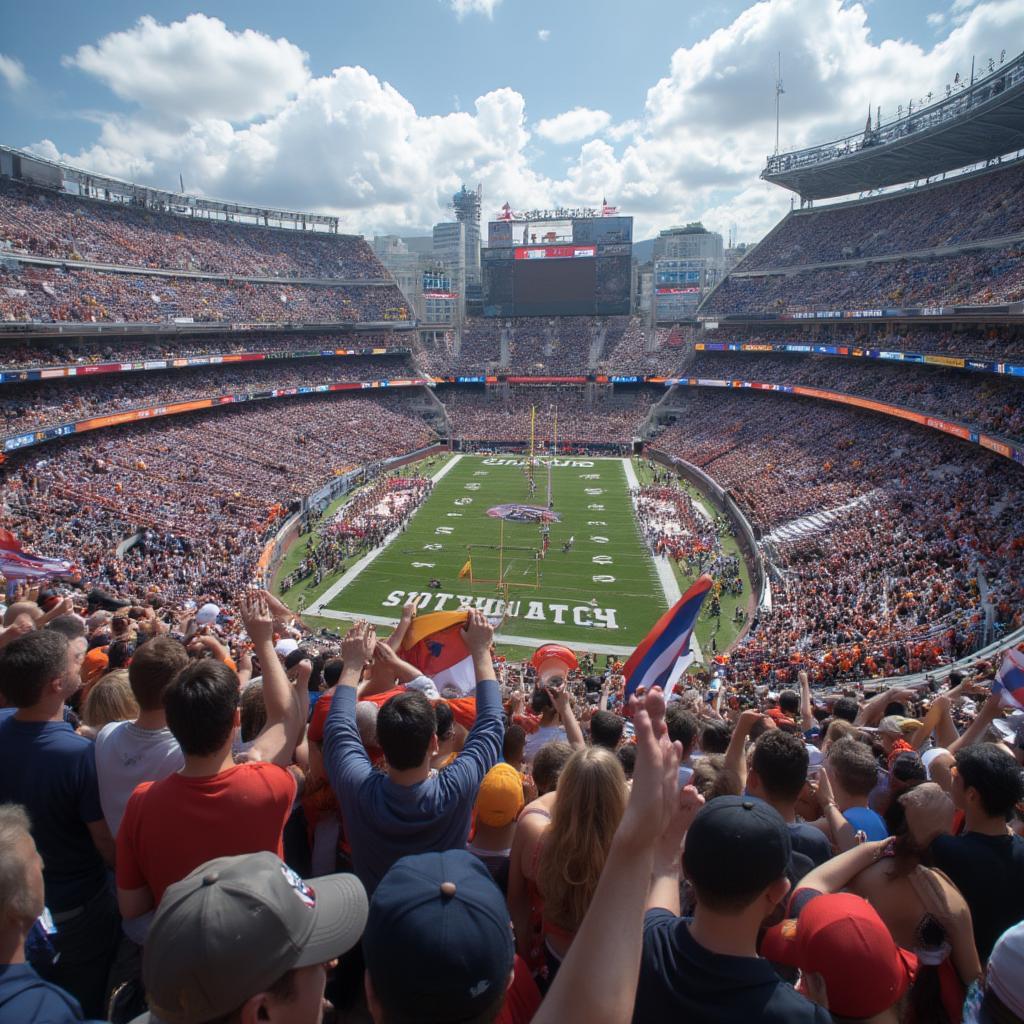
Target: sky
pixel 378 111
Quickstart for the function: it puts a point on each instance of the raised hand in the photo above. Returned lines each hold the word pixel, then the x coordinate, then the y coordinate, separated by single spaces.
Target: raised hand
pixel 478 632
pixel 257 617
pixel 359 644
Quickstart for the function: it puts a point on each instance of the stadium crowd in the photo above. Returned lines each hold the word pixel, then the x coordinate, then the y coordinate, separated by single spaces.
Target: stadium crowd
pixel 990 402
pixel 212 829
pixel 987 205
pixel 45 222
pixel 507 417
pixel 31 405
pixel 206 488
pixel 909 525
pixel 979 278
pixel 16 354
pixel 990 342
pixel 56 295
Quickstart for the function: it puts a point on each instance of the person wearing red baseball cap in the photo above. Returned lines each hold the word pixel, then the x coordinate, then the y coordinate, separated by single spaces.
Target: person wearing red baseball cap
pixel 549 700
pixel 848 960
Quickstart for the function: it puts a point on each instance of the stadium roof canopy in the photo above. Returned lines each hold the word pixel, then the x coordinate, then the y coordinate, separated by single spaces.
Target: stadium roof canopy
pixel 38 170
pixel 978 122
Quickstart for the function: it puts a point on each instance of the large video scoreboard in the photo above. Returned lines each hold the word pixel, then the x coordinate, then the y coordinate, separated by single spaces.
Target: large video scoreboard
pixel 547 265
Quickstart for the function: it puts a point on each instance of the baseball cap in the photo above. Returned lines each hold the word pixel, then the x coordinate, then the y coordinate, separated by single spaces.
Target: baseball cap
pixel 556 652
pixel 892 725
pixel 736 844
pixel 1005 972
pixel 207 615
pixel 841 937
pixel 236 925
pixel 285 646
pixel 438 940
pixel 500 796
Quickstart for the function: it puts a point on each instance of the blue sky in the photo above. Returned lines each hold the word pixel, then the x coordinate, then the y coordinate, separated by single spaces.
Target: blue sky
pixel 676 118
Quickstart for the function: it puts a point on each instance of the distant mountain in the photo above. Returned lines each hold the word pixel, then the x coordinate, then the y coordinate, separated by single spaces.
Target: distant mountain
pixel 643 252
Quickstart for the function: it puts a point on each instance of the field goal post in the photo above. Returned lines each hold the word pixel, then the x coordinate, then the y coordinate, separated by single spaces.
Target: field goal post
pixel 505 556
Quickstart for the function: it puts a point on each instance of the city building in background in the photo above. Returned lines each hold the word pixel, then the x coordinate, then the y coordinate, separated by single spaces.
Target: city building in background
pixel 467 204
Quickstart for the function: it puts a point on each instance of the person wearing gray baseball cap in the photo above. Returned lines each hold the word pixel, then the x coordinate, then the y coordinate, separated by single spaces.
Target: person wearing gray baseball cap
pixel 244 939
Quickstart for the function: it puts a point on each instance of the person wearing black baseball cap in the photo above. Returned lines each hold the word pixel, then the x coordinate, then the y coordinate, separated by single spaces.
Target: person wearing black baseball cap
pixel 707 968
pixel 245 939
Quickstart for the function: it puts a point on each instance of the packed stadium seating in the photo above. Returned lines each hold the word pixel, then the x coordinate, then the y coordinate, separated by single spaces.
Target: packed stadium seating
pixel 915 518
pixel 206 487
pixel 980 277
pixel 31 406
pixel 993 403
pixel 953 213
pixel 43 222
pixel 53 294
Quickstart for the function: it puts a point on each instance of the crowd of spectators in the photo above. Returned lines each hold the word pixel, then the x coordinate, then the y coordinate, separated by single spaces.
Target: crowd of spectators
pixel 32 405
pixel 506 416
pixel 625 350
pixel 980 278
pixel 892 577
pixel 988 341
pixel 45 222
pixel 16 354
pixel 541 846
pixel 204 487
pixel 994 403
pixel 558 346
pixel 59 295
pixel 979 206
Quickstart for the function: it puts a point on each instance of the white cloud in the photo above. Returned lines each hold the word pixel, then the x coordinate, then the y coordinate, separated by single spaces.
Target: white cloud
pixel 12 72
pixel 543 34
pixel 351 144
pixel 574 125
pixel 936 19
pixel 464 7
pixel 196 68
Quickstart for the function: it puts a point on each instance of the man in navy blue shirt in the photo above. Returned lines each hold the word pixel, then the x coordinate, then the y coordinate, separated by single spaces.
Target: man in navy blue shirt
pixel 50 770
pixel 411 809
pixel 24 995
pixel 706 968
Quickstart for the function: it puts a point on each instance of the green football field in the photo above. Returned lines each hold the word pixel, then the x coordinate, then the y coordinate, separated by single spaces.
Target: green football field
pixel 603 592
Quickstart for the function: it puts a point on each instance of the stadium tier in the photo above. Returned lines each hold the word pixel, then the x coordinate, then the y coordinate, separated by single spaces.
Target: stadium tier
pixel 44 222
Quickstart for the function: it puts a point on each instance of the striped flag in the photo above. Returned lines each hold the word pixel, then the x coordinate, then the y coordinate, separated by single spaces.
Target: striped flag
pixel 436 646
pixel 18 564
pixel 653 663
pixel 1009 682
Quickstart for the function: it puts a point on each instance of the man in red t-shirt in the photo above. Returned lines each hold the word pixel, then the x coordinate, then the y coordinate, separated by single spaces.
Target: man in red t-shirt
pixel 213 807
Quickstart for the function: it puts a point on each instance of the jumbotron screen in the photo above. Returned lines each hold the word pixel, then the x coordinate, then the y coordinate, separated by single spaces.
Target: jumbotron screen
pixel 556 280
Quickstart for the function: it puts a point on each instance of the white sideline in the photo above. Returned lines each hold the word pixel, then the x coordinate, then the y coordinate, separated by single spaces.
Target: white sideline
pixel 317 607
pixel 669 583
pixel 523 641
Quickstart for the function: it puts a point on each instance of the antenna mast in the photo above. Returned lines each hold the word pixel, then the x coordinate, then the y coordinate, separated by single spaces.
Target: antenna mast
pixel 778 93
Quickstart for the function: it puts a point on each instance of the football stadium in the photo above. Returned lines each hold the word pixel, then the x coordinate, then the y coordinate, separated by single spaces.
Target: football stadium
pixel 555 586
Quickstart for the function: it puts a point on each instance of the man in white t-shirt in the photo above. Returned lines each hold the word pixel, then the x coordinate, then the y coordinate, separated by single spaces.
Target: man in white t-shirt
pixel 144 750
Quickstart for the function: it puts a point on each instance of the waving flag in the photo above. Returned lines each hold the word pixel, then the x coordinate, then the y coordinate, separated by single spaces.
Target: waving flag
pixel 1009 682
pixel 653 663
pixel 435 644
pixel 18 564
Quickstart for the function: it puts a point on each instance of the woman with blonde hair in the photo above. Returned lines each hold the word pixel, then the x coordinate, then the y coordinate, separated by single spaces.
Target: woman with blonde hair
pixel 589 803
pixel 110 700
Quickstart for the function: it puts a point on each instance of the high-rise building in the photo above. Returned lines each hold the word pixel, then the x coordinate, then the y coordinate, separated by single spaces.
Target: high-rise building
pixel 467 204
pixel 692 242
pixel 404 266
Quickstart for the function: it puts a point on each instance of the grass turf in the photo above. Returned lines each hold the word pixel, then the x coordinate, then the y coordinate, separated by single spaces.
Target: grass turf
pixel 630 601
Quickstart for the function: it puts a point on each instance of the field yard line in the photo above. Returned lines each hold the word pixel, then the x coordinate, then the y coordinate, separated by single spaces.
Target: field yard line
pixel 317 607
pixel 522 641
